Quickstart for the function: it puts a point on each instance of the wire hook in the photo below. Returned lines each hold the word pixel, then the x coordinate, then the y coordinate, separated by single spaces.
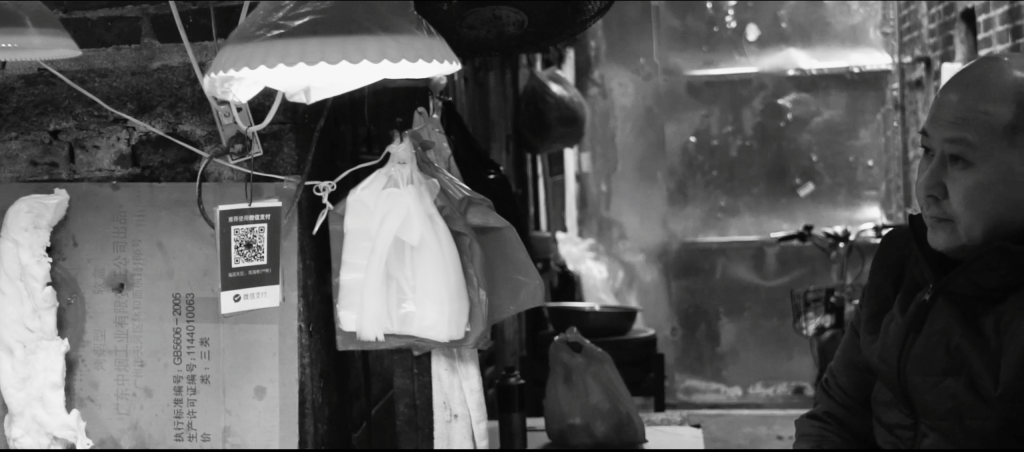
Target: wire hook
pixel 323 190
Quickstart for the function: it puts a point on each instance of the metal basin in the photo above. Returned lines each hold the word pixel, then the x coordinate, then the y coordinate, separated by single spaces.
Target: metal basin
pixel 591 319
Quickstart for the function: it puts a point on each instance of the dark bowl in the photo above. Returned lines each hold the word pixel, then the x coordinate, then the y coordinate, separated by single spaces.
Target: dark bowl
pixel 591 319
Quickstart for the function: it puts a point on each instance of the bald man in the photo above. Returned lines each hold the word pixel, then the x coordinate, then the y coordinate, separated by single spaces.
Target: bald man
pixel 935 356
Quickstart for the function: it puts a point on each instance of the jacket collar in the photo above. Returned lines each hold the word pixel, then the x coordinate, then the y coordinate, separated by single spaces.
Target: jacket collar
pixel 996 271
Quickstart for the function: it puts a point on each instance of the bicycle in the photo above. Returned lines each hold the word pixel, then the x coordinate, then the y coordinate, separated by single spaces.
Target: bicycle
pixel 821 313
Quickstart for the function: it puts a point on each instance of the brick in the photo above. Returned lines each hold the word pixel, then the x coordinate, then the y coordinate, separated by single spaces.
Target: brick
pixel 984 44
pixel 949 9
pixel 1017 32
pixel 1016 13
pixel 1005 18
pixel 197 24
pixel 95 33
pixel 162 159
pixel 1003 37
pixel 92 6
pixel 104 150
pixel 34 160
pixel 982 8
pixel 997 4
pixel 947 55
pixel 947 26
pixel 988 24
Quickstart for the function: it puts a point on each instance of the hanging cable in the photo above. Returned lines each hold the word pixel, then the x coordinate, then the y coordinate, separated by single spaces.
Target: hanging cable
pixel 154 129
pixel 324 189
pixel 188 46
pixel 199 188
pixel 245 12
pixel 213 28
pixel 248 183
pixel 266 121
pixel 309 158
pixel 199 75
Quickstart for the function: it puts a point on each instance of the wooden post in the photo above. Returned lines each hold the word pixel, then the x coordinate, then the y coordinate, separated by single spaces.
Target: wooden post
pixel 570 157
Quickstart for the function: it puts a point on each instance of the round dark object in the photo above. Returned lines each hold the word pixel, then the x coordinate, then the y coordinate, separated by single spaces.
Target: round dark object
pixel 553 113
pixel 591 319
pixel 486 28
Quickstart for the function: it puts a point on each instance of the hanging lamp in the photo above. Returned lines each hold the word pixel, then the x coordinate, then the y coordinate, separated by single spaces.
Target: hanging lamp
pixel 30 32
pixel 314 50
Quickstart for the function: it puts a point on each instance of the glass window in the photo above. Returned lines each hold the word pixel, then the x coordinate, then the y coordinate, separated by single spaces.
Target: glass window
pixel 775 115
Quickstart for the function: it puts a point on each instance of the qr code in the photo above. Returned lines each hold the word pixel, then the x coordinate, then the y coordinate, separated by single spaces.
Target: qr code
pixel 248 245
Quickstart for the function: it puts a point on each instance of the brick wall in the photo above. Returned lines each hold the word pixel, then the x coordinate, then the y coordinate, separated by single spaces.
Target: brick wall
pixel 134 61
pixel 936 32
pixel 948 31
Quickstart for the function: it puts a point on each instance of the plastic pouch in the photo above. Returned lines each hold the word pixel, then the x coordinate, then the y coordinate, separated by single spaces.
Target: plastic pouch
pixel 587 404
pixel 470 255
pixel 512 282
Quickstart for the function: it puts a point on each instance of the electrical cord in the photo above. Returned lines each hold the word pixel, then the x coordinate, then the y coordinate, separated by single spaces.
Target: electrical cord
pixel 155 130
pixel 248 183
pixel 309 158
pixel 213 28
pixel 199 187
pixel 325 187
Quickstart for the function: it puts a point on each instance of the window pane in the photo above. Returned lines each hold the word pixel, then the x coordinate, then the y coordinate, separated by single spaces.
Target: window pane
pixel 775 115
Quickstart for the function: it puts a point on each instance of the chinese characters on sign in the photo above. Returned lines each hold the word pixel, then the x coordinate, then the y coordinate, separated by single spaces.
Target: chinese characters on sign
pixel 248 242
pixel 192 357
pixel 124 281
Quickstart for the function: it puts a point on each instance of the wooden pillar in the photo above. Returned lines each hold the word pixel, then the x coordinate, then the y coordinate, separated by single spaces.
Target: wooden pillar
pixel 414 413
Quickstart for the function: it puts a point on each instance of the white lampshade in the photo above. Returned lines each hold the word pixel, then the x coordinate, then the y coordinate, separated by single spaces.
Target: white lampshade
pixel 30 32
pixel 314 50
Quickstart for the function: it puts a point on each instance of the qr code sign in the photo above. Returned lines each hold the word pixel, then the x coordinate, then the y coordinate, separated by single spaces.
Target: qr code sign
pixel 248 245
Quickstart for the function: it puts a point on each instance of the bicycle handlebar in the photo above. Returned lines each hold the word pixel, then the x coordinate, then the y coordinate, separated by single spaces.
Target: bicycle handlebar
pixel 837 237
pixel 802 235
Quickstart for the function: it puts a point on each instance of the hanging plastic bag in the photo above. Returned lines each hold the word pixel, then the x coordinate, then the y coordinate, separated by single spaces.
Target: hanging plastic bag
pixel 481 173
pixel 512 282
pixel 586 403
pixel 407 277
pixel 553 112
pixel 469 255
pixel 441 152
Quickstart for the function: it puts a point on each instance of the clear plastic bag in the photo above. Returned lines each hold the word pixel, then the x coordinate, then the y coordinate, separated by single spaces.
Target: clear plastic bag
pixel 586 403
pixel 512 282
pixel 468 256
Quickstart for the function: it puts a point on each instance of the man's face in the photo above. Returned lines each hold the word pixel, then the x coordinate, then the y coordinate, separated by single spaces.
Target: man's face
pixel 970 184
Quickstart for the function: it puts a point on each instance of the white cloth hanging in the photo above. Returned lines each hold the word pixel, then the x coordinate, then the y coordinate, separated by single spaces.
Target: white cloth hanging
pixel 459 403
pixel 431 129
pixel 460 411
pixel 400 270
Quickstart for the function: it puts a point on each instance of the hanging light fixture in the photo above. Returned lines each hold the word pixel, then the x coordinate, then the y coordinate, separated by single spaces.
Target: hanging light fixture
pixel 315 50
pixel 29 32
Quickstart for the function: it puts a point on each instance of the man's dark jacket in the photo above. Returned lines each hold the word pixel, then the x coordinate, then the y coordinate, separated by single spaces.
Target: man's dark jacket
pixel 933 359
